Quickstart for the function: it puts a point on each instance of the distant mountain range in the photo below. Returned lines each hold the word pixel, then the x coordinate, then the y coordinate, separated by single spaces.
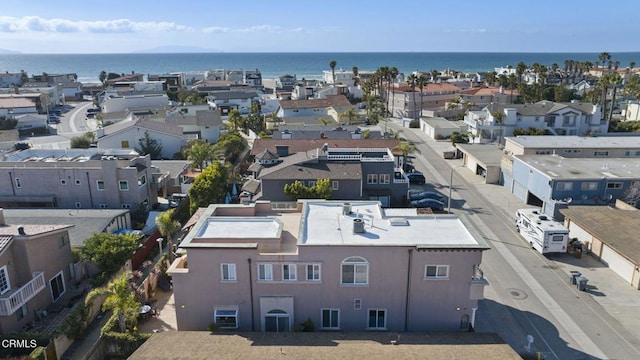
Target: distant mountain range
pixel 6 51
pixel 177 49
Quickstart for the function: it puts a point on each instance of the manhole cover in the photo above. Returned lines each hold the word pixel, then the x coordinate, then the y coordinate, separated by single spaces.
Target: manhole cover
pixel 517 294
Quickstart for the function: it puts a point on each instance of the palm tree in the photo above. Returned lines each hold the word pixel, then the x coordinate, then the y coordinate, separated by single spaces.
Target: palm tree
pixel 421 81
pixel 520 69
pixel 356 78
pixel 615 81
pixel 603 58
pixel 199 153
pixel 235 118
pixel 498 116
pixel 407 147
pixel 393 75
pixel 167 225
pixel 121 299
pixel 411 81
pixel 512 83
pixel 332 65
pixel 350 114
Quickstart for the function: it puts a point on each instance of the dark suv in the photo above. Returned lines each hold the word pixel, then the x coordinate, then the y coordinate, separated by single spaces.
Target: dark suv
pixel 416 177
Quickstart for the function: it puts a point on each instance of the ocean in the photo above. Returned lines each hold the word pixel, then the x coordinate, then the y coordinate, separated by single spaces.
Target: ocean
pixel 272 65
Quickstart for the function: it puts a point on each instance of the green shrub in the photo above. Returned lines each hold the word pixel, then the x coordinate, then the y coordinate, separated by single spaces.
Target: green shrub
pixel 307 326
pixel 414 124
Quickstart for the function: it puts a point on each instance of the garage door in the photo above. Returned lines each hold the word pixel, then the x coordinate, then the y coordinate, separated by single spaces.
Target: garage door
pixel 617 263
pixel 520 191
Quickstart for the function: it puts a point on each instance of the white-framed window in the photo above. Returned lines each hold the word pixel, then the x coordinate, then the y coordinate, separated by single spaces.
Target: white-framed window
pixel 5 285
pixel 63 182
pixel 354 271
pixel 228 272
pixel 226 318
pixel 372 179
pixel 564 186
pixel 57 286
pixel 123 185
pixel 385 178
pixel 377 319
pixel 142 180
pixel 614 185
pixel 357 304
pixel 311 183
pixel 100 185
pixel 591 185
pixel 436 271
pixel 265 272
pixel 289 272
pixel 335 185
pixel 313 272
pixel 330 318
pixel 18 183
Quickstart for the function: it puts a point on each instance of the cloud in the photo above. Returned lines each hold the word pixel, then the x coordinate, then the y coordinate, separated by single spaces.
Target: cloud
pixel 274 29
pixel 56 25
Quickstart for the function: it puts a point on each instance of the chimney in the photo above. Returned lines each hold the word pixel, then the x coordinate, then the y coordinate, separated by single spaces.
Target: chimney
pixel 21 230
pixel 2 217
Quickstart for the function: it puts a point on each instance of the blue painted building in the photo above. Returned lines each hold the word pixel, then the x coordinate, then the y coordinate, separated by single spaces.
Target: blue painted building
pixel 553 182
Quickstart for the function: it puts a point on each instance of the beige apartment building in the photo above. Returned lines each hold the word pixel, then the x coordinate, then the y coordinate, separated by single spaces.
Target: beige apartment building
pixel 348 266
pixel 76 179
pixel 35 271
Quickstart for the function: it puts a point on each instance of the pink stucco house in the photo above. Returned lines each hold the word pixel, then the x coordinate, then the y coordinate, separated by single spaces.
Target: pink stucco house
pixel 345 266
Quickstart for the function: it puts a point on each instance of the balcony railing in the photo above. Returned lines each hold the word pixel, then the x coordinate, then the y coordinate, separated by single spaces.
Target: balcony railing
pixel 9 304
pixel 402 179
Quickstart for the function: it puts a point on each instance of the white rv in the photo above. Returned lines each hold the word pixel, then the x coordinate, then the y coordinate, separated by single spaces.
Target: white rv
pixel 543 233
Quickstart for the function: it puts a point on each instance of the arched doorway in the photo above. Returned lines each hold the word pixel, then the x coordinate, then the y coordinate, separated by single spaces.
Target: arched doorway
pixel 277 321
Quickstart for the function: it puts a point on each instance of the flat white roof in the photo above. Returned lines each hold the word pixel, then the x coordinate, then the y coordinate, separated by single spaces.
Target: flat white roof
pixel 324 223
pixel 572 141
pixel 224 227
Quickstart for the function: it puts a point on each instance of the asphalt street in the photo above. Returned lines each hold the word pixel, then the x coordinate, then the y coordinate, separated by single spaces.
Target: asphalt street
pixel 530 294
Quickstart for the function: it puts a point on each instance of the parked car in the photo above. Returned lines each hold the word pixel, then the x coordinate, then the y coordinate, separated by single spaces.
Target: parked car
pixel 428 203
pixel 416 177
pixel 426 195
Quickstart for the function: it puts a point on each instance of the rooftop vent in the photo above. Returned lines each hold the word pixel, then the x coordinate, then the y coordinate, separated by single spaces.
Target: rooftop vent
pixel 21 230
pixel 358 226
pixel 346 209
pixel 398 222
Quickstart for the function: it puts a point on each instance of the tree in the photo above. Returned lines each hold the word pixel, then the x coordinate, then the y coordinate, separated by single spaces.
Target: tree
pixel 7 123
pixel 231 145
pixel 209 187
pixel 23 77
pixel 632 194
pixel 235 118
pixel 632 87
pixel 109 251
pixel 332 65
pixel 459 138
pixel 167 225
pixel 149 146
pixel 615 81
pixel 102 77
pixel 121 299
pixel 498 117
pixel 393 75
pixel 411 81
pixel 520 69
pixel 199 152
pixel 356 76
pixel 321 190
pixel 407 147
pixel 421 81
pixel 84 141
pixel 350 114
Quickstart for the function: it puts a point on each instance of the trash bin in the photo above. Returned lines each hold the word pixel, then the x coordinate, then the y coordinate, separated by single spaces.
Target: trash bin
pixel 573 275
pixel 581 283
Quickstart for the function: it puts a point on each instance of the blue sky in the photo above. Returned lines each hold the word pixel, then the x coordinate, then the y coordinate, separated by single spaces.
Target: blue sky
pixel 117 26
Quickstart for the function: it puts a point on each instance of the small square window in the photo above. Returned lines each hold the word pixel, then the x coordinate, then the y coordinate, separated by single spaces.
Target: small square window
pixel 357 304
pixel 289 272
pixel 228 272
pixel 100 185
pixel 335 184
pixel 436 272
pixel 123 185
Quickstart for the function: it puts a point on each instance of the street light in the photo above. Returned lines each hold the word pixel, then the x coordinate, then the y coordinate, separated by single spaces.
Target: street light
pixel 451 187
pixel 160 240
